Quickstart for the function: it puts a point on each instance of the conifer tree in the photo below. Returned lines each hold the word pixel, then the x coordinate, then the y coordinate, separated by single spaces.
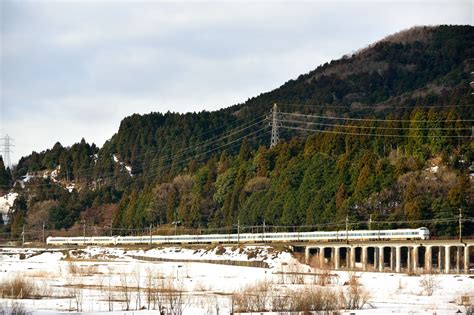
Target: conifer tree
pixel 4 176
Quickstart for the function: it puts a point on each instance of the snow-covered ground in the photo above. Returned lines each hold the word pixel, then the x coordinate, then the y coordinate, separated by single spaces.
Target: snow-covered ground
pixel 104 280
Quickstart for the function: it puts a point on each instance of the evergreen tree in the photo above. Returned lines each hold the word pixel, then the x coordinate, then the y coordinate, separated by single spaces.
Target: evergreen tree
pixel 4 176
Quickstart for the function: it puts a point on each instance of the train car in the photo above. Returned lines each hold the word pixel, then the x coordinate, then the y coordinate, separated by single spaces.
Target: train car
pixel 56 240
pixel 317 236
pixel 101 240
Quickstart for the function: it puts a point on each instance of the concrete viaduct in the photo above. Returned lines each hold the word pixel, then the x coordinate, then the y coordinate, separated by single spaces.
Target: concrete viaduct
pixel 440 256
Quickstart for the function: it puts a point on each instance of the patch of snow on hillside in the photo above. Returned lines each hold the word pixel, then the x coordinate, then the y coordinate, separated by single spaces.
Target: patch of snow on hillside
pixel 6 202
pixel 54 174
pixel 27 178
pixel 124 166
pixel 71 187
pixel 433 169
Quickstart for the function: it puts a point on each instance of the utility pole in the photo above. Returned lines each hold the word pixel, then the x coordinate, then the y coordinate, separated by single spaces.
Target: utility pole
pixel 460 225
pixel 238 231
pixel 275 134
pixel 150 235
pixel 84 230
pixel 43 233
pixel 175 223
pixel 370 222
pixel 347 229
pixel 263 236
pixel 23 236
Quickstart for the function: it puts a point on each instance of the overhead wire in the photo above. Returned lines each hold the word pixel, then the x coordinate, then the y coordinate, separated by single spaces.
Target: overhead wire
pixel 378 106
pixel 372 134
pixel 203 144
pixel 185 161
pixel 372 119
pixel 373 127
pixel 269 228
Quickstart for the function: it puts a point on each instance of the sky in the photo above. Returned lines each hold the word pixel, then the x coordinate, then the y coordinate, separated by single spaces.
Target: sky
pixel 75 69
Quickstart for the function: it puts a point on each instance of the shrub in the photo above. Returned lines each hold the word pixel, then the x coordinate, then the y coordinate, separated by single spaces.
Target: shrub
pixel 355 296
pixel 220 250
pixel 253 298
pixel 429 283
pixel 15 309
pixel 18 287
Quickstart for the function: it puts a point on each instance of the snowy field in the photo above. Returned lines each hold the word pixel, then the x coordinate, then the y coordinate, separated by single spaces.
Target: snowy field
pixel 104 280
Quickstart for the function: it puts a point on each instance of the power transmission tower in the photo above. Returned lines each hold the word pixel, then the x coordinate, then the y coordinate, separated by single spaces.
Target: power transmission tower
pixel 274 123
pixel 6 150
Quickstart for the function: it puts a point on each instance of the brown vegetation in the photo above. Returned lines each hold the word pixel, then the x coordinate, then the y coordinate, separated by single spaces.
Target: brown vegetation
pixel 265 296
pixel 18 287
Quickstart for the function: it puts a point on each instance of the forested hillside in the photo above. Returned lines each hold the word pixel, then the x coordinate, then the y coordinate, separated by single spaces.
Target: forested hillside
pixel 383 135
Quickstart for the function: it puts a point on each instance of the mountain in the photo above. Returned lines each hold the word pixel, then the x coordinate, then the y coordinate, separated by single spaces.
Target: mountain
pixel 384 133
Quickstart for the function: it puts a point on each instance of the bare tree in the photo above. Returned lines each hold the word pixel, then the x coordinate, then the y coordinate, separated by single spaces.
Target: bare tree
pixel 126 291
pixel 356 296
pixel 137 278
pixel 110 295
pixel 78 294
pixel 152 292
pixel 173 293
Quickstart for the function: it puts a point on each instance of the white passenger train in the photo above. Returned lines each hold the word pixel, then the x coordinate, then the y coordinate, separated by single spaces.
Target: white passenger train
pixel 338 236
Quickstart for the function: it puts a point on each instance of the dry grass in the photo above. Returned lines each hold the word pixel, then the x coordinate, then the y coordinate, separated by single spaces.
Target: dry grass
pixel 253 298
pixel 18 287
pixel 82 270
pixel 315 299
pixel 295 274
pixel 304 298
pixel 263 297
pixel 15 308
pixel 40 274
pixel 429 284
pixel 325 277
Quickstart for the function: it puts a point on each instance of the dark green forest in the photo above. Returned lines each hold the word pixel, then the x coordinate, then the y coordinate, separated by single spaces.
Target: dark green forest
pixel 383 135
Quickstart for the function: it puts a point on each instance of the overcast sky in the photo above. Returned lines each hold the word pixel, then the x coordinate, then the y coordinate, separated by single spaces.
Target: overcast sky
pixel 73 69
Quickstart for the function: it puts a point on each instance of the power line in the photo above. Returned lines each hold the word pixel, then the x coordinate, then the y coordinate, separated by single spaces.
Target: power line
pixel 206 142
pixel 184 162
pixel 373 119
pixel 39 232
pixel 200 145
pixel 181 163
pixel 379 106
pixel 373 127
pixel 168 160
pixel 373 134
